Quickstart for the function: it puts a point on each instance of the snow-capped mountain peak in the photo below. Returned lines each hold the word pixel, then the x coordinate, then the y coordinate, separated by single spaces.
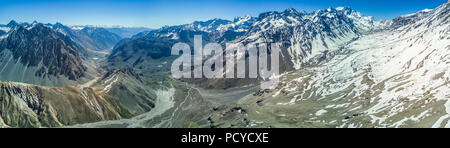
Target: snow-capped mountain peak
pixel 426 10
pixel 242 19
pixel 292 11
pixel 308 35
pixel 340 8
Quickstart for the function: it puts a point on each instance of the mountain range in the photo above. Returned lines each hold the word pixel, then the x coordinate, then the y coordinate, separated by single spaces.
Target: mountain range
pixel 339 69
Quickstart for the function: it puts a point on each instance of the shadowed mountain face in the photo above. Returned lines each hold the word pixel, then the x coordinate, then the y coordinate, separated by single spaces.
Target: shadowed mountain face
pixel 143 53
pixel 61 87
pixel 51 53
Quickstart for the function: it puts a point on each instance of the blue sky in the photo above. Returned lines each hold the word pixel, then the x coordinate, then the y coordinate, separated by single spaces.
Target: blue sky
pixel 157 13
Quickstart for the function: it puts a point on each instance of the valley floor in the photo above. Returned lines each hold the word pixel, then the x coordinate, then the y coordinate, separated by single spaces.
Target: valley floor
pixel 176 106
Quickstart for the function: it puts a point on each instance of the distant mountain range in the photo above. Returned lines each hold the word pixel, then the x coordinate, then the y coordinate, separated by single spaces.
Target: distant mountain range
pixel 54 54
pixel 306 37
